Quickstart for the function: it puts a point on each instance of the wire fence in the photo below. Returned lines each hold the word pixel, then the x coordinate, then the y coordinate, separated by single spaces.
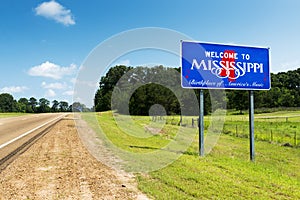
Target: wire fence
pixel 275 132
pixel 283 130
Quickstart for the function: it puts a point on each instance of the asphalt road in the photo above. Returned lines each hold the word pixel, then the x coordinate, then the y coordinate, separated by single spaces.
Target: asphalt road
pixel 13 127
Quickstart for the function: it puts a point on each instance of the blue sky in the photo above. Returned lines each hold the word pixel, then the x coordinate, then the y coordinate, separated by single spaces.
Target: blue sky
pixel 44 43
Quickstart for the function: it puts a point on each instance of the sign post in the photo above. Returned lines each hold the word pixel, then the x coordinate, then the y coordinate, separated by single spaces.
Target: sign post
pixel 201 123
pixel 251 125
pixel 220 66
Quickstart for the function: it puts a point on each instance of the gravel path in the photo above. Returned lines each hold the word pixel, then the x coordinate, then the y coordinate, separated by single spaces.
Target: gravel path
pixel 58 166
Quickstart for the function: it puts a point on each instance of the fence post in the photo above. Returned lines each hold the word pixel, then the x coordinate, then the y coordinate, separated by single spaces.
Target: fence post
pixel 236 130
pixel 271 135
pixel 295 138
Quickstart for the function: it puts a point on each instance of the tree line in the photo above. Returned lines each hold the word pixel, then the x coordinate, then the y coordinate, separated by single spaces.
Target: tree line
pixel 285 91
pixel 32 105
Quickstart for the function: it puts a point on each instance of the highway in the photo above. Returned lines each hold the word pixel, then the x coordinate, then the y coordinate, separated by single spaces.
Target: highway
pixel 17 133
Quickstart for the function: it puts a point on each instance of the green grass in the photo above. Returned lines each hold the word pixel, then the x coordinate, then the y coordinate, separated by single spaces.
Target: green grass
pixel 128 142
pixel 225 173
pixel 5 115
pixel 278 127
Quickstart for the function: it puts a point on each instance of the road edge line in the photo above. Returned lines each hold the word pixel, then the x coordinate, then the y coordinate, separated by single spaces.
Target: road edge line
pixel 28 132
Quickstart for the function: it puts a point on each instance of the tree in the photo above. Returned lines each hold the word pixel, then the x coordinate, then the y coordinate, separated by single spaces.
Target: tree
pixel 23 106
pixel 107 83
pixel 76 107
pixel 63 106
pixel 44 105
pixel 147 87
pixel 33 104
pixel 55 105
pixel 7 103
pixel 238 99
pixel 286 98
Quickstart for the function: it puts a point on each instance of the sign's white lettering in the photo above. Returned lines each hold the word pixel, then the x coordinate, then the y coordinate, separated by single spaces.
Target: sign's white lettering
pixel 227 67
pixel 217 67
pixel 213 54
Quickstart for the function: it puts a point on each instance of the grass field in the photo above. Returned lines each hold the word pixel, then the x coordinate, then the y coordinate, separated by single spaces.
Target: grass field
pixel 277 127
pixel 4 115
pixel 225 173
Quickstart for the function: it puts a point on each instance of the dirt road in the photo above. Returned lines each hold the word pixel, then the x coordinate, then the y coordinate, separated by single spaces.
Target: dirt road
pixel 59 167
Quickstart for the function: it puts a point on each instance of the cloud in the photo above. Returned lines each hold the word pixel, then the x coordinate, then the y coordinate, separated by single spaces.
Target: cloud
pixel 69 93
pixel 58 86
pixel 13 89
pixel 50 93
pixel 122 62
pixel 55 11
pixel 51 70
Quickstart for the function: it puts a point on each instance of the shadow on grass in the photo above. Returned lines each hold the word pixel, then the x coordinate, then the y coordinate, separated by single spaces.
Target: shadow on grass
pixel 143 147
pixel 191 153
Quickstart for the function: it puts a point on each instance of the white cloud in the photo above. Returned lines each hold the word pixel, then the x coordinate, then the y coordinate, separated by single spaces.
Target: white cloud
pixel 55 11
pixel 58 86
pixel 50 93
pixel 13 89
pixel 51 70
pixel 69 93
pixel 123 62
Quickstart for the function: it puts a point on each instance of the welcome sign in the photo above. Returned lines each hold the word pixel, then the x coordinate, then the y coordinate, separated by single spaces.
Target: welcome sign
pixel 219 66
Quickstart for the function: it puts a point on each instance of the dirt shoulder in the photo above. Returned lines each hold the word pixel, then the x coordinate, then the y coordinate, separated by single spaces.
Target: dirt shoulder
pixel 58 166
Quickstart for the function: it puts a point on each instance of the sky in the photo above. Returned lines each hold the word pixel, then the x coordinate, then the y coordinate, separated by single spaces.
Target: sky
pixel 44 43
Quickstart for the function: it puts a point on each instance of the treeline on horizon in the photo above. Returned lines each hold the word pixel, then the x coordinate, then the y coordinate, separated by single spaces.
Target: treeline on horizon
pixel 32 105
pixel 284 92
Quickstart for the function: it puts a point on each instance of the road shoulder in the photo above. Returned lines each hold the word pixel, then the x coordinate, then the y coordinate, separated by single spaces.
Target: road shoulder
pixel 58 166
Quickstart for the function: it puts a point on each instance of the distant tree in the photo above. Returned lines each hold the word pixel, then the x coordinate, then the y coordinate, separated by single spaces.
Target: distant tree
pixel 23 105
pixel 55 105
pixel 238 100
pixel 44 105
pixel 7 103
pixel 107 83
pixel 63 106
pixel 77 107
pixel 286 99
pixel 33 104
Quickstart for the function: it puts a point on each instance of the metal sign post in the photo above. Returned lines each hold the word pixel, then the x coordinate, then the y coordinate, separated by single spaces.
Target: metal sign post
pixel 201 124
pixel 251 125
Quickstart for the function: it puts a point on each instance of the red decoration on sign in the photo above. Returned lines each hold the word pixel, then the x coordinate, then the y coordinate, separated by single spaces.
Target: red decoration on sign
pixel 229 71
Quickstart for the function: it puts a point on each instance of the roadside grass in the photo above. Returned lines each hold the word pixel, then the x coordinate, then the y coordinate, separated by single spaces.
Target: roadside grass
pixel 225 173
pixel 5 115
pixel 129 142
pixel 278 127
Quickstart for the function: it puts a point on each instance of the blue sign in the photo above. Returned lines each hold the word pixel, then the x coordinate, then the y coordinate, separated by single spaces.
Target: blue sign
pixel 219 66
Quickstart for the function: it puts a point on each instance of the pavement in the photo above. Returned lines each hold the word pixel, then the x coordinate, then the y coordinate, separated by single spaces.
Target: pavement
pixel 13 127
